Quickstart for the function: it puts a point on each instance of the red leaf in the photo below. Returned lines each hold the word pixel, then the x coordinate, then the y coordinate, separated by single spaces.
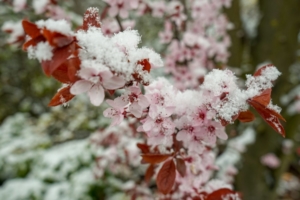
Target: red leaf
pixel 149 173
pixel 61 74
pixel 143 147
pixel 91 18
pixel 181 167
pixel 177 145
pixel 33 42
pixel 56 39
pixel 270 116
pixel 221 194
pixel 146 65
pixel 264 98
pixel 166 177
pixel 246 116
pixel 31 29
pixel 73 67
pixel 154 158
pixel 60 55
pixel 259 71
pixel 62 96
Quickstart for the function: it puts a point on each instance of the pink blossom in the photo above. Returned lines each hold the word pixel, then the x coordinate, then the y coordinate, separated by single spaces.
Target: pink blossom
pixel 158 8
pixel 270 160
pixel 211 130
pixel 167 35
pixel 159 127
pixel 188 134
pixel 94 82
pixel 117 110
pixel 121 7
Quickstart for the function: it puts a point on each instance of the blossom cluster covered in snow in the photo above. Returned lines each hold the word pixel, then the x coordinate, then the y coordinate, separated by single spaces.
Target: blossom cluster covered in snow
pixel 173 127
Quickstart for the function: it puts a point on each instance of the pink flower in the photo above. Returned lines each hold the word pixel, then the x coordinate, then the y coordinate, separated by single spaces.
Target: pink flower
pixel 117 110
pixel 211 130
pixel 121 7
pixel 270 160
pixel 94 82
pixel 138 102
pixel 167 35
pixel 159 128
pixel 158 8
pixel 188 134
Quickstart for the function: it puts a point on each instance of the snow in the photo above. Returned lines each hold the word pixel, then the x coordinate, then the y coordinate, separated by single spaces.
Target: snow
pixel 15 28
pixel 42 51
pixel 61 26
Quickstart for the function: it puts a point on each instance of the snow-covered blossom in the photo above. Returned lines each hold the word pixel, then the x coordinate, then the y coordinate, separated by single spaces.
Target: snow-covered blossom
pixel 94 82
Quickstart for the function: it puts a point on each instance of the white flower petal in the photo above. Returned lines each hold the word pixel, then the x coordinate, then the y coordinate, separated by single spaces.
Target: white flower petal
pixel 113 83
pixel 96 94
pixel 80 87
pixel 136 110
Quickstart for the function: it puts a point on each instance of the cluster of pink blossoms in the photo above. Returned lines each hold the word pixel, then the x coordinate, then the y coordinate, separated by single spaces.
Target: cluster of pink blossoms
pixel 182 125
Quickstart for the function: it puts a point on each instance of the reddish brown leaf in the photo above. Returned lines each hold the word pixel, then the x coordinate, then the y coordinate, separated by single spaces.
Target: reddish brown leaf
pixel 61 74
pixel 264 98
pixel 33 42
pixel 177 145
pixel 31 29
pixel 246 116
pixel 220 194
pixel 143 147
pixel 225 122
pixel 62 96
pixel 149 173
pixel 60 55
pixel 146 65
pixel 154 158
pixel 56 39
pixel 73 67
pixel 259 71
pixel 166 177
pixel 270 116
pixel 91 18
pixel 181 167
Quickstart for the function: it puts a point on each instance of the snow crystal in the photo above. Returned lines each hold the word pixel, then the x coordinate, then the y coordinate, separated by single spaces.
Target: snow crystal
pixel 15 28
pixel 128 39
pixel 60 26
pixel 19 5
pixel 42 51
pixel 39 6
pixel 256 84
pixel 17 189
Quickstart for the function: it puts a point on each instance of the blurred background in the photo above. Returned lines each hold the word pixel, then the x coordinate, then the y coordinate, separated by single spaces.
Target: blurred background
pixel 51 153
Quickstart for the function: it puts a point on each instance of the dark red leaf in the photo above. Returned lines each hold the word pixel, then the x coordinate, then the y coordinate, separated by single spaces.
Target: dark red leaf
pixel 270 116
pixel 31 29
pixel 246 116
pixel 181 167
pixel 166 177
pixel 62 96
pixel 91 18
pixel 61 74
pixel 264 98
pixel 33 42
pixel 177 145
pixel 154 158
pixel 225 122
pixel 149 173
pixel 259 71
pixel 73 67
pixel 60 55
pixel 143 147
pixel 56 39
pixel 221 194
pixel 146 65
